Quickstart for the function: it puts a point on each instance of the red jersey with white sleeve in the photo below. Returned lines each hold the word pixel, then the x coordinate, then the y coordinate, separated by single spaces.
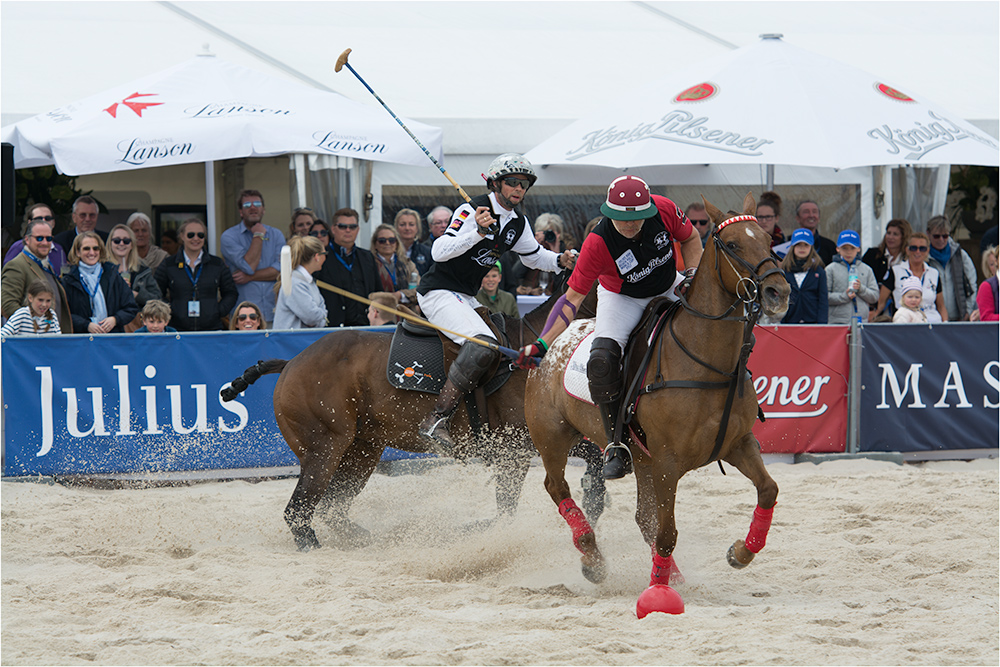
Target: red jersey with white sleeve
pixel 640 267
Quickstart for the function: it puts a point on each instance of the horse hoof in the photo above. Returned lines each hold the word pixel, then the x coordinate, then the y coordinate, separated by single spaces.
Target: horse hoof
pixel 595 573
pixel 733 555
pixel 306 540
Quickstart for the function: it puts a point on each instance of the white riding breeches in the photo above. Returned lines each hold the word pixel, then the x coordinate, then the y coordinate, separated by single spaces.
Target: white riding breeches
pixel 618 314
pixel 454 311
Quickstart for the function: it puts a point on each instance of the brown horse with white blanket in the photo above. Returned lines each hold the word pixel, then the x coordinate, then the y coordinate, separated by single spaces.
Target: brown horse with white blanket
pixel 698 414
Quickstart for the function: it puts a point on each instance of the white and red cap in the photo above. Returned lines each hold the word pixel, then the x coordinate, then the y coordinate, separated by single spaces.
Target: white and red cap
pixel 628 199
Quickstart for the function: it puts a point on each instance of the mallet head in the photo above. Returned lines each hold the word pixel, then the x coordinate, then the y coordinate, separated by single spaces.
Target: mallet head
pixel 342 60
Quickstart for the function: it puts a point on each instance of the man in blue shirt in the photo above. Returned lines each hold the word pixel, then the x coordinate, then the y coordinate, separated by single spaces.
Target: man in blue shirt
pixel 253 252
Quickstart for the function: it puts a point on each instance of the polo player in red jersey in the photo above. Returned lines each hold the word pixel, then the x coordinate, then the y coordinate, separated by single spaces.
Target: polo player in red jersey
pixel 631 254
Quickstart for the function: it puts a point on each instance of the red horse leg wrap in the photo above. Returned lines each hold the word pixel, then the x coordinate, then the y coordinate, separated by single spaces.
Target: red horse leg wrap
pixel 758 529
pixel 576 520
pixel 662 569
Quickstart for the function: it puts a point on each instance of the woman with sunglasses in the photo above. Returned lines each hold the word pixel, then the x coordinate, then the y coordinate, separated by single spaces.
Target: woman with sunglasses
pixel 303 306
pixel 397 274
pixel 99 300
pixel 930 281
pixel 958 272
pixel 247 317
pixel 125 253
pixel 198 286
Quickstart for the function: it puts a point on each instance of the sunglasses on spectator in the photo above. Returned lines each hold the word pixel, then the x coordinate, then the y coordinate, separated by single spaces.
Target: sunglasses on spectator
pixel 40 239
pixel 90 248
pixel 43 218
pixel 247 316
pixel 302 209
pixel 700 223
pixel 766 217
pixel 939 236
pixel 200 235
pixel 386 240
pixel 253 204
pixel 120 241
pixel 514 182
pixel 341 225
pixel 918 248
pixel 319 232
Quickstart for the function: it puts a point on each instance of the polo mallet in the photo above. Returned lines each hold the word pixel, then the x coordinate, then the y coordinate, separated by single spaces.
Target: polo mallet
pixel 510 352
pixel 341 61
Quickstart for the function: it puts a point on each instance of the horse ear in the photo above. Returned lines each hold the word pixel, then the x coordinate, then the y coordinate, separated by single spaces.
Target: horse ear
pixel 749 205
pixel 714 213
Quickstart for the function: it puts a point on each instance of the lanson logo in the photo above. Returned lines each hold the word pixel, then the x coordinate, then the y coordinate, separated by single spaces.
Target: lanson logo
pixel 146 416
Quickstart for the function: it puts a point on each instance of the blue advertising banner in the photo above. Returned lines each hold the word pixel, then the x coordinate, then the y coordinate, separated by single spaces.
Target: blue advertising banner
pixel 926 388
pixel 132 403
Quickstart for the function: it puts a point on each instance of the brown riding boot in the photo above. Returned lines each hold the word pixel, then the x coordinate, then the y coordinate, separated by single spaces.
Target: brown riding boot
pixel 434 428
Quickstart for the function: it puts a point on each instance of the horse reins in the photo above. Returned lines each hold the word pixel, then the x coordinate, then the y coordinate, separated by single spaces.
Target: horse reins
pixel 752 309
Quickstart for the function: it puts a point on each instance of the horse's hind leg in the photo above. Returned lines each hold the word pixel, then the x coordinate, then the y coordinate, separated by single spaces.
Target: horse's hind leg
pixel 511 469
pixel 746 458
pixel 317 465
pixel 554 446
pixel 355 469
pixel 594 487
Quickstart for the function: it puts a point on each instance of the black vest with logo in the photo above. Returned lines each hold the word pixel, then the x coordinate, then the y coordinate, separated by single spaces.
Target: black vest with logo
pixel 465 273
pixel 646 264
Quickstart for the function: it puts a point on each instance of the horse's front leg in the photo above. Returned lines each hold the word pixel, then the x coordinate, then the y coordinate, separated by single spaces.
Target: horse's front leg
pixel 746 458
pixel 662 480
pixel 554 449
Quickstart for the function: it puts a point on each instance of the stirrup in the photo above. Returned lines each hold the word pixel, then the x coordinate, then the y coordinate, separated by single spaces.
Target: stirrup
pixel 617 461
pixel 436 435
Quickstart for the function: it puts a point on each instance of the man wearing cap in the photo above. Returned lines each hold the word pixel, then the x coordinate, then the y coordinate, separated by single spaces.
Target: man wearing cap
pixel 631 254
pixel 850 283
pixel 480 232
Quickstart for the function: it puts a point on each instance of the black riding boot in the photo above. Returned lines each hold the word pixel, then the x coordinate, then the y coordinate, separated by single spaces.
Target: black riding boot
pixel 617 457
pixel 466 371
pixel 434 428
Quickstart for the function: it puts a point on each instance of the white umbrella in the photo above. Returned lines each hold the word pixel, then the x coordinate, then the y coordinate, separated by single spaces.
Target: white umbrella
pixel 206 109
pixel 768 103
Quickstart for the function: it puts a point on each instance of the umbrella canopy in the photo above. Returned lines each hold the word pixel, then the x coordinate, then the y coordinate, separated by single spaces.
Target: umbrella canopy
pixel 207 109
pixel 769 103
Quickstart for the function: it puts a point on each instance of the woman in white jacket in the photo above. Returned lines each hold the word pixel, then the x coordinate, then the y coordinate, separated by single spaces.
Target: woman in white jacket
pixel 305 306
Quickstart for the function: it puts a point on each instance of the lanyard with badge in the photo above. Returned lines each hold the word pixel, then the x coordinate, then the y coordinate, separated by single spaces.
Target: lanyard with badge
pixel 194 305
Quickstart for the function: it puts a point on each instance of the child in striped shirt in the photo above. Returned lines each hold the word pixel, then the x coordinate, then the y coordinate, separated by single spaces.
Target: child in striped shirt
pixel 36 317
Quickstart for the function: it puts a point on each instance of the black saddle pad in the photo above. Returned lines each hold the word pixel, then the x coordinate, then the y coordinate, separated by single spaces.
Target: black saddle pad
pixel 416 362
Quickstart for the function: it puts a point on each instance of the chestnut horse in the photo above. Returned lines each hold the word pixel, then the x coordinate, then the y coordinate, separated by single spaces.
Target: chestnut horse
pixel 337 411
pixel 682 424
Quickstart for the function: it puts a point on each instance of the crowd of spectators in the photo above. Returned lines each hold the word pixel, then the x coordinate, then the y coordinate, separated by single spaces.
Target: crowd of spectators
pixel 85 280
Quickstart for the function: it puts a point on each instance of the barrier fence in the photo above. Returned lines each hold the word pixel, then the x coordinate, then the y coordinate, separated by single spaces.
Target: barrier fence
pixel 131 403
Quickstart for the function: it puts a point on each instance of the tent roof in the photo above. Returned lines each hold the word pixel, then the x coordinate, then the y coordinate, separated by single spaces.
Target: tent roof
pixel 471 61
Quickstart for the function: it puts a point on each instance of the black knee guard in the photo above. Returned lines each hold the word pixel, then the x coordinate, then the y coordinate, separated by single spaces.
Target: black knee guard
pixel 471 364
pixel 604 370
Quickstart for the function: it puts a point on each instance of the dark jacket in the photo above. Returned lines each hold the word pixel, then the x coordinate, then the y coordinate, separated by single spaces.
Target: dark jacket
pixel 807 304
pixel 216 292
pixel 876 259
pixel 361 279
pixel 117 295
pixel 420 255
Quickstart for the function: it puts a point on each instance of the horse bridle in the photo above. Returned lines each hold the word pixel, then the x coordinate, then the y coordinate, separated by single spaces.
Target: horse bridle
pixel 751 299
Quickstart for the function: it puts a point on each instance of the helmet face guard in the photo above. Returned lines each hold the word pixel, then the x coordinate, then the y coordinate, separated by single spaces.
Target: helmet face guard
pixel 509 164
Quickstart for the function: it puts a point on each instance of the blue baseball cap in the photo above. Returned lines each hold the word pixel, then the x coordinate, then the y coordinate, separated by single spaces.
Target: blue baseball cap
pixel 802 235
pixel 849 237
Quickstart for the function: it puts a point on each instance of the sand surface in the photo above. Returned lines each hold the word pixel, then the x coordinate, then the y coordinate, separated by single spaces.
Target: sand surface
pixel 867 563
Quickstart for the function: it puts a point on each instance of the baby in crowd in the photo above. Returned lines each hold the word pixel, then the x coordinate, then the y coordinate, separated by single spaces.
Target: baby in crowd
pixel 36 317
pixel 155 315
pixel 913 294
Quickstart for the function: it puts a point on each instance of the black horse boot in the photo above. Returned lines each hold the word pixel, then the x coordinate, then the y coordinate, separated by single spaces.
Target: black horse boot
pixel 466 371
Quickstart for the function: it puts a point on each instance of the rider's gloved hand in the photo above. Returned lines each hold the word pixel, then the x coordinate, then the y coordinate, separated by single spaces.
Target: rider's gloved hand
pixel 529 356
pixel 681 290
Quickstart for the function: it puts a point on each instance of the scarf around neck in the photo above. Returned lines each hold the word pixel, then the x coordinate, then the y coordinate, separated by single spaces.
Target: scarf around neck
pixel 90 276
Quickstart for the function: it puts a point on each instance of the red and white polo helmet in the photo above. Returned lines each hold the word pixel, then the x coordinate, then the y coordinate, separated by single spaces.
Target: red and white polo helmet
pixel 628 199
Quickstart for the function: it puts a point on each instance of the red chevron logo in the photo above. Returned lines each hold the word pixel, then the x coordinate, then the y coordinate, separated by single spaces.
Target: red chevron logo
pixel 132 103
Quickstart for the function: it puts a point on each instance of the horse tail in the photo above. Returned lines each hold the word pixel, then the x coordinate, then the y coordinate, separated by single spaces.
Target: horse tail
pixel 250 376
